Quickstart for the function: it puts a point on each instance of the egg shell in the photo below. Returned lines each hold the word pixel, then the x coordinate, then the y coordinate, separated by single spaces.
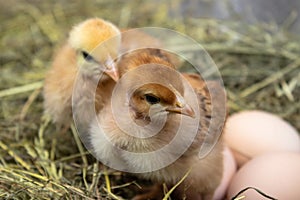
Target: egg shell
pixel 229 170
pixel 240 158
pixel 251 133
pixel 275 174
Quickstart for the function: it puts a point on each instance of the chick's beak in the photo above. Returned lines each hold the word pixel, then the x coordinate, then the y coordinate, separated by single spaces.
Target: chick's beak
pixel 182 109
pixel 180 106
pixel 112 72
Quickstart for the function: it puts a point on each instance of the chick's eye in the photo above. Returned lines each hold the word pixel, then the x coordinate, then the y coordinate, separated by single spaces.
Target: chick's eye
pixel 87 56
pixel 152 99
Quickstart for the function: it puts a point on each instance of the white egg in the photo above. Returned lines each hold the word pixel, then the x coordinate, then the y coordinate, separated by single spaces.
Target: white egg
pixel 229 170
pixel 274 174
pixel 251 133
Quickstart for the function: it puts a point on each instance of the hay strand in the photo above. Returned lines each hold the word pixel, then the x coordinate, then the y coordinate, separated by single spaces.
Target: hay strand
pixel 21 89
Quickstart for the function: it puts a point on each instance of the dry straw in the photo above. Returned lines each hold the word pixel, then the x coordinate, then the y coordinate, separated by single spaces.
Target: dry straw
pixel 259 65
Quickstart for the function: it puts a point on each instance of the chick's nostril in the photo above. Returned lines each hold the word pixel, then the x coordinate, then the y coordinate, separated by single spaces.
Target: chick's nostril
pixel 106 66
pixel 179 104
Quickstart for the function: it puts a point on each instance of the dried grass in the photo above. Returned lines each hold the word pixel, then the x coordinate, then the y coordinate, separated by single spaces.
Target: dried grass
pixel 259 66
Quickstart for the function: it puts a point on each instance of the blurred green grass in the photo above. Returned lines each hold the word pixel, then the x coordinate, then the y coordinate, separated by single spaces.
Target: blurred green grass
pixel 259 65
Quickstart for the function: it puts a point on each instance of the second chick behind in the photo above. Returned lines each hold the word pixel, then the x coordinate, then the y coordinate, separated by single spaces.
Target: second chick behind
pixel 81 58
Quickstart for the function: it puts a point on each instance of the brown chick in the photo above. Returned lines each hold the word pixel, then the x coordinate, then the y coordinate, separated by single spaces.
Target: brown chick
pixel 82 61
pixel 129 133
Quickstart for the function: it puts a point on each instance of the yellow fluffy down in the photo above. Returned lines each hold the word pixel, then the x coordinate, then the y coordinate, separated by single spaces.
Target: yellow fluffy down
pixel 88 35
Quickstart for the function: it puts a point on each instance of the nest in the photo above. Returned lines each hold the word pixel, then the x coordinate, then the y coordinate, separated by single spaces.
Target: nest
pixel 259 65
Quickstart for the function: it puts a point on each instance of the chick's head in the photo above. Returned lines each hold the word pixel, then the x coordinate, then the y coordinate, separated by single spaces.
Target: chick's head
pixel 139 57
pixel 153 86
pixel 153 99
pixel 97 43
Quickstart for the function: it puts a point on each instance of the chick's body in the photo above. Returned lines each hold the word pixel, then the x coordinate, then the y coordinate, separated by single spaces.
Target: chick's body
pixel 205 174
pixel 81 61
pixel 58 86
pixel 165 103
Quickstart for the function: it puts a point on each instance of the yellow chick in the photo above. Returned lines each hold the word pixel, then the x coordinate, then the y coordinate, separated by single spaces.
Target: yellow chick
pixel 146 117
pixel 82 60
